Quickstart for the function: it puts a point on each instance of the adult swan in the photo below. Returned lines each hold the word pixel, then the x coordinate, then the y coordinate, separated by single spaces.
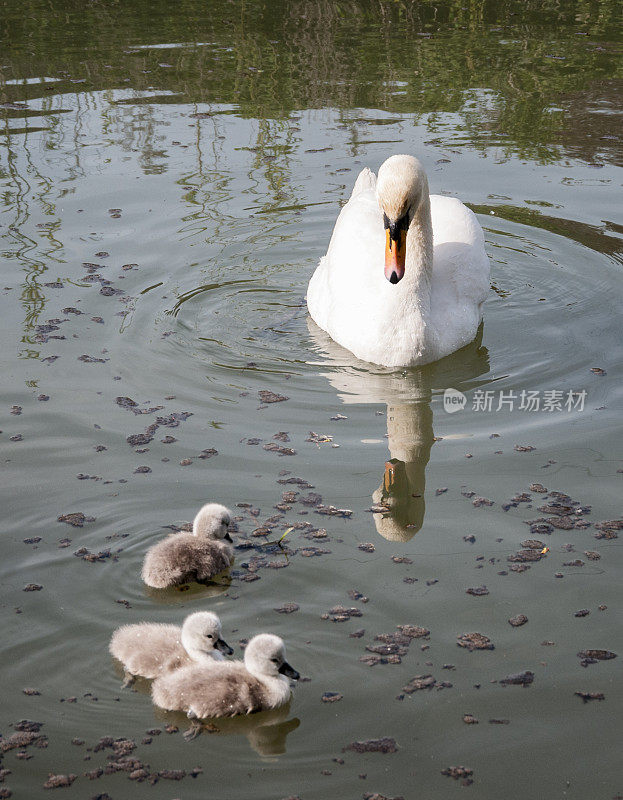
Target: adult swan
pixel 427 302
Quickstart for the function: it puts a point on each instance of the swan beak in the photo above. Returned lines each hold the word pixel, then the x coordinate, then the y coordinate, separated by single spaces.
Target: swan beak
pixel 390 476
pixel 395 251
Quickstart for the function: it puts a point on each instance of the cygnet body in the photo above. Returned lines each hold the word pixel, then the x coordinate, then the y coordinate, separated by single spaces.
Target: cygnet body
pixel 196 556
pixel 233 687
pixel 151 649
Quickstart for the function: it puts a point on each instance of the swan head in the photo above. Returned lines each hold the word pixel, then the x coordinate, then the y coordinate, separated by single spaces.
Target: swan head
pixel 265 657
pixel 201 632
pixel 212 522
pixel 400 188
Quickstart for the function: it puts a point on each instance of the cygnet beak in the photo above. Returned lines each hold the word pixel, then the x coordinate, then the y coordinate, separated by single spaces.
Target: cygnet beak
pixel 228 538
pixel 222 646
pixel 288 671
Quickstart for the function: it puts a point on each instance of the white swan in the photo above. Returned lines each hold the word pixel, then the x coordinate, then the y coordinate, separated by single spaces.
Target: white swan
pixel 230 687
pixel 196 556
pixel 427 301
pixel 150 648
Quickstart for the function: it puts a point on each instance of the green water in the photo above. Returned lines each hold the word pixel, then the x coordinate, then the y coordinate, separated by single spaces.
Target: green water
pixel 194 157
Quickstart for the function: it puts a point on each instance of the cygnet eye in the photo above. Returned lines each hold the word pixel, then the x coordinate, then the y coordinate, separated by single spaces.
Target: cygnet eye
pixel 209 636
pixel 275 660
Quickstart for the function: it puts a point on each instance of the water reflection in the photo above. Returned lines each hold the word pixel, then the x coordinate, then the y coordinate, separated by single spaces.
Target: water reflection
pixel 266 731
pixel 400 497
pixel 399 501
pixel 189 592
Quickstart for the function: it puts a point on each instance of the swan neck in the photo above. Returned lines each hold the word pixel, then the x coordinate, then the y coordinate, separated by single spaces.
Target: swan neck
pixel 419 258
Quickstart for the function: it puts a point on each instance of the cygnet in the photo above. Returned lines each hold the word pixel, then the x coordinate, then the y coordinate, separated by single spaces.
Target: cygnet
pixel 258 683
pixel 151 649
pixel 196 556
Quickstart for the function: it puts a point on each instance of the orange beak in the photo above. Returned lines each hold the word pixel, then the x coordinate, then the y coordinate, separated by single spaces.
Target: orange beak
pixel 389 477
pixel 395 251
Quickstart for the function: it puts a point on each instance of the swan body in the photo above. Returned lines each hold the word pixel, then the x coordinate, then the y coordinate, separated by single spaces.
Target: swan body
pixel 428 300
pixel 196 556
pixel 226 689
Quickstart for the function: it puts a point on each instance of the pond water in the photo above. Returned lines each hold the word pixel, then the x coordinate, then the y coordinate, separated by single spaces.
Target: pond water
pixel 170 176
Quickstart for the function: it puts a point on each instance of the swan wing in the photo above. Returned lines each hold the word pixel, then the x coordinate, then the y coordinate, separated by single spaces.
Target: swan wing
pixel 351 266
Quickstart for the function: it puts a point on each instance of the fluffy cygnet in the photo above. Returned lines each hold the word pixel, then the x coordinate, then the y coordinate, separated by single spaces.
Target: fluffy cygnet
pixel 196 556
pixel 232 687
pixel 151 649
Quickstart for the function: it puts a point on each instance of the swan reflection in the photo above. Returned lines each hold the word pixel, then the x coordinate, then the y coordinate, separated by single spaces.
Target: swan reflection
pixel 399 502
pixel 266 731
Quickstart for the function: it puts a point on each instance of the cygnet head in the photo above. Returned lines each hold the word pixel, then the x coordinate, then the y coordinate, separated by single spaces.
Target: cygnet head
pixel 212 522
pixel 400 188
pixel 265 656
pixel 201 632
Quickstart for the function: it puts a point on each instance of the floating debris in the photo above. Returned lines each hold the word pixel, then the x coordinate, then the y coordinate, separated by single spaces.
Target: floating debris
pixel 331 697
pixel 458 773
pixel 384 745
pixel 332 511
pixel 92 359
pixel 528 555
pixel 319 438
pixel 56 781
pixel 296 482
pixel 273 447
pixel 518 679
pixel 23 739
pixel 287 608
pixel 478 591
pixel 586 696
pixel 593 656
pixel 477 502
pixel 311 499
pixel 77 519
pixel 341 614
pixel 418 683
pixel 518 620
pixel 475 641
pixel 139 439
pixel 270 397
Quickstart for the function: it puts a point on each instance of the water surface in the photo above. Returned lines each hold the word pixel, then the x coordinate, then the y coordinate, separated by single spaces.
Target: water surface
pixel 170 176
